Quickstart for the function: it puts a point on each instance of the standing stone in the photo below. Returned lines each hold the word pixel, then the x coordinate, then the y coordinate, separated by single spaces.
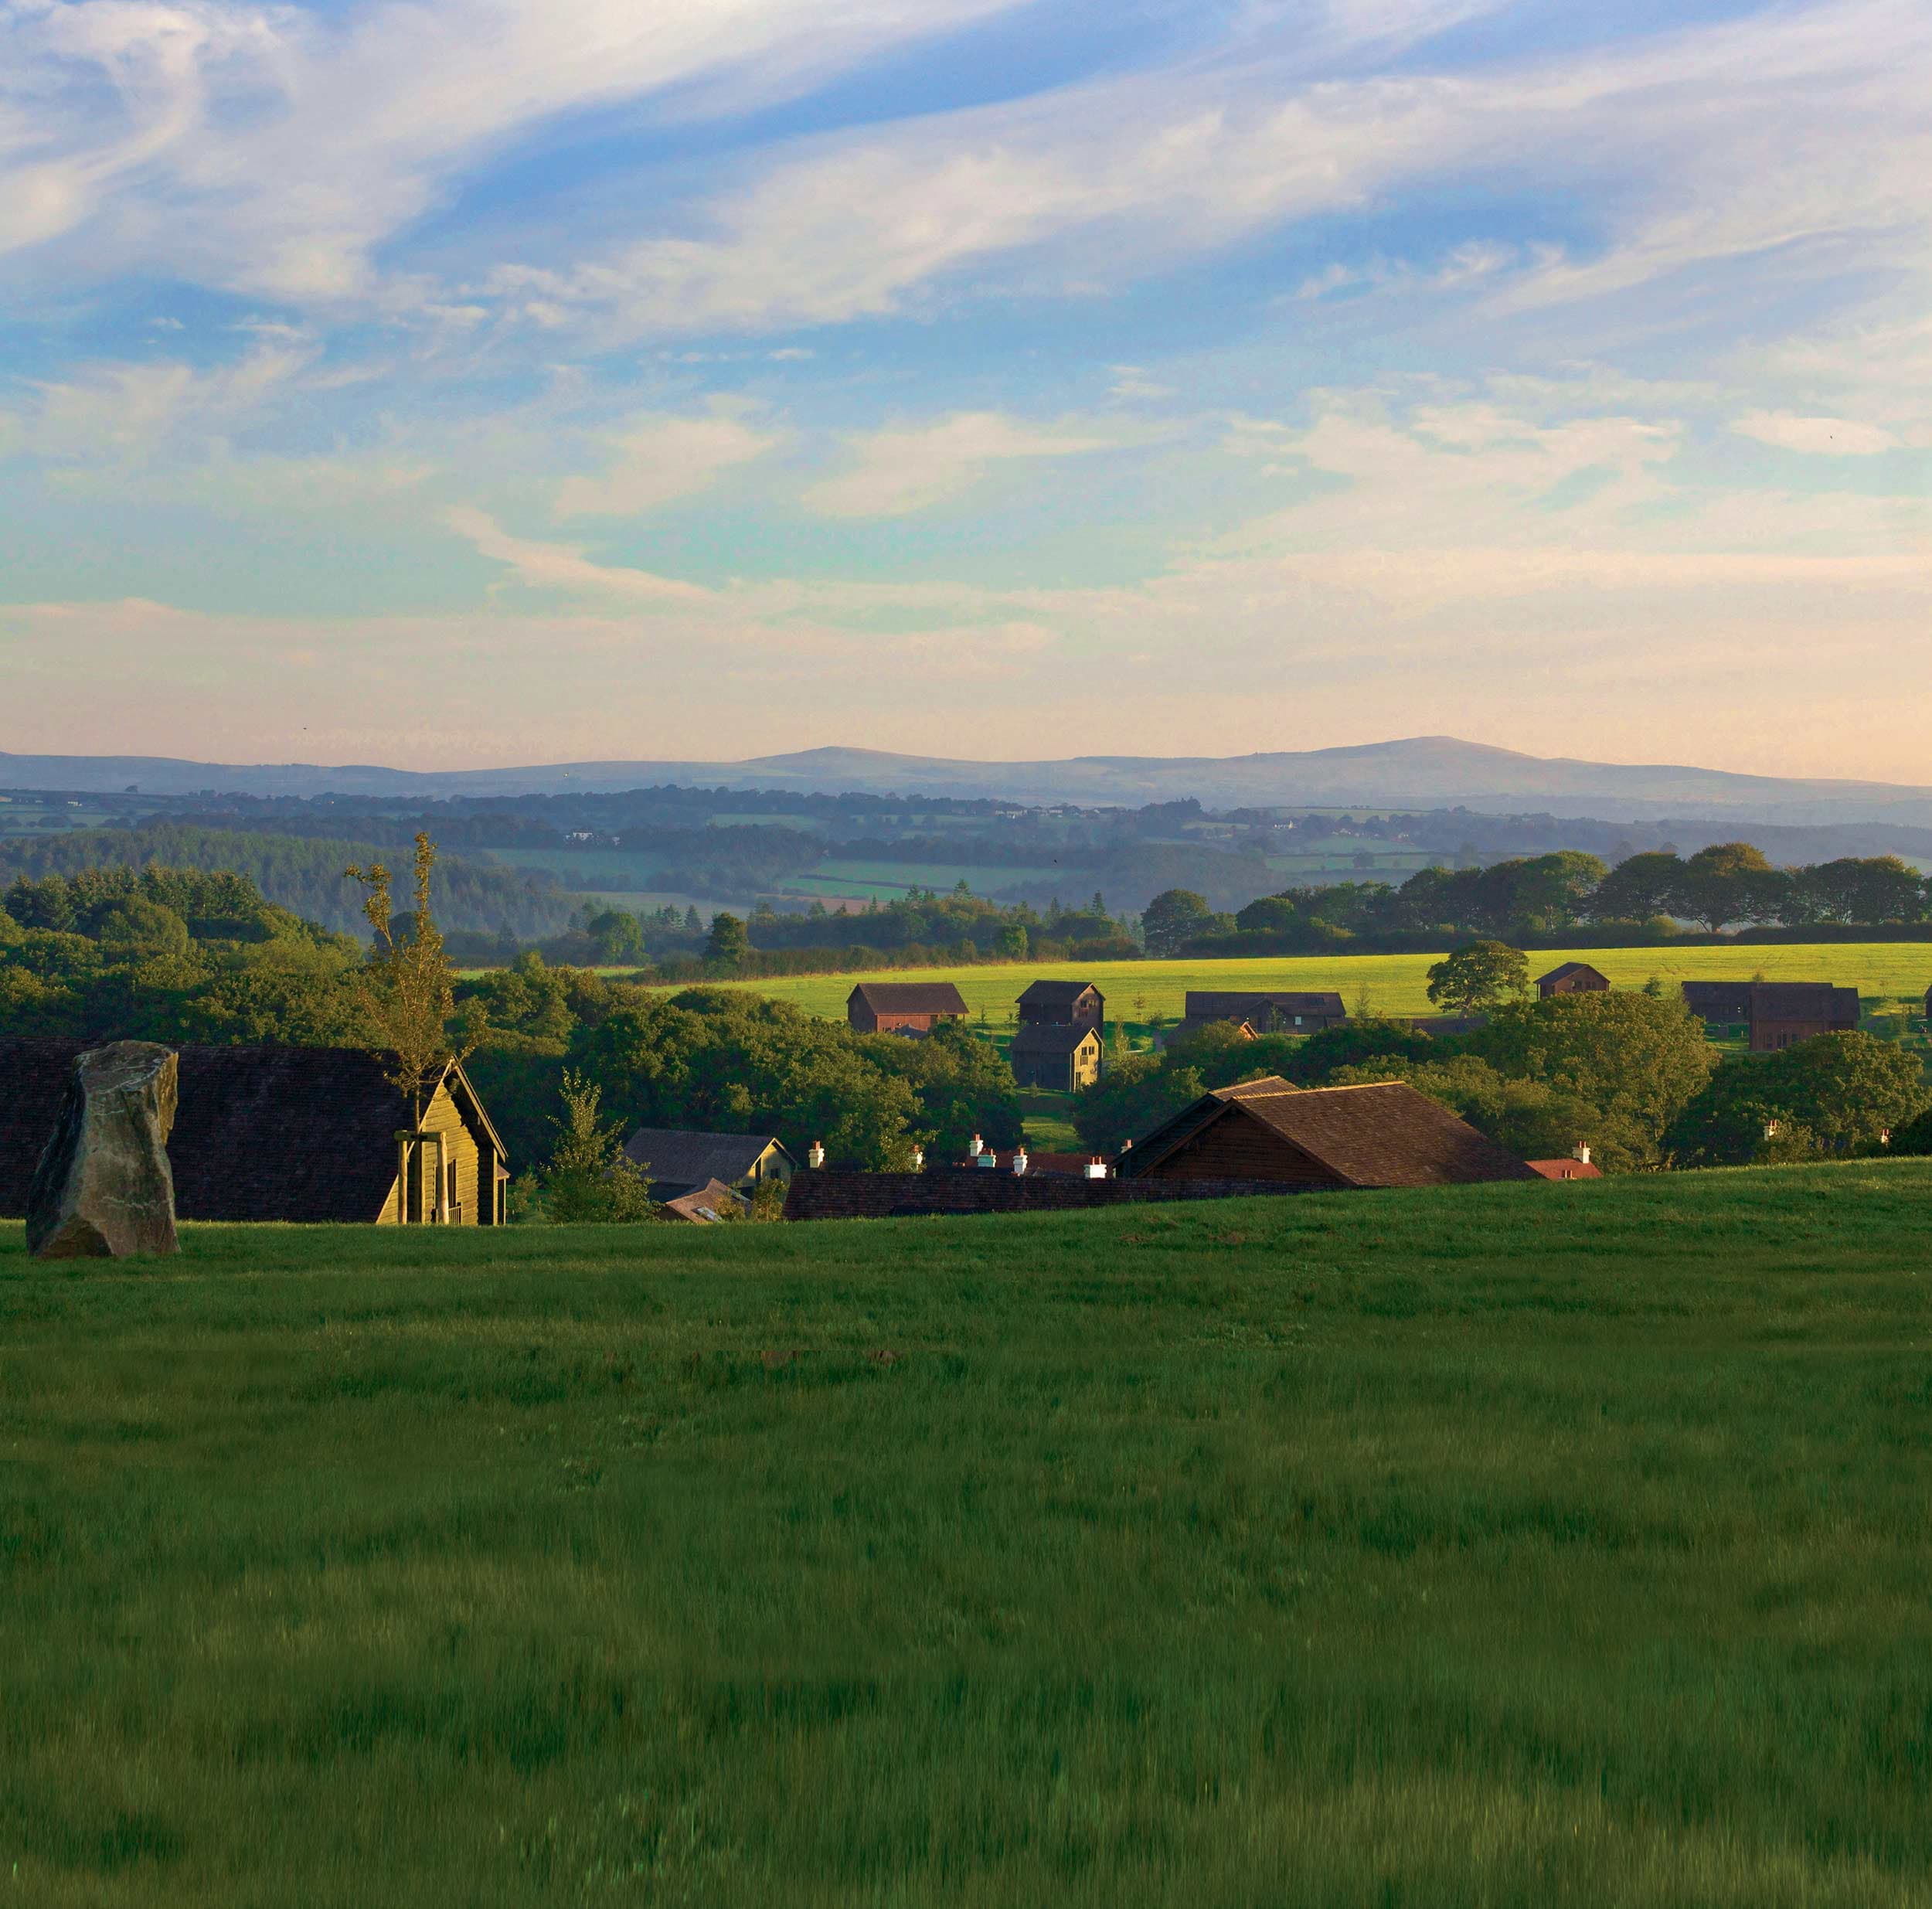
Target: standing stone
pixel 103 1188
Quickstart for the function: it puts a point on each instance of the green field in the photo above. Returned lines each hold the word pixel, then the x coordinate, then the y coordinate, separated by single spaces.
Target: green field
pixel 1506 1546
pixel 1396 984
pixel 586 869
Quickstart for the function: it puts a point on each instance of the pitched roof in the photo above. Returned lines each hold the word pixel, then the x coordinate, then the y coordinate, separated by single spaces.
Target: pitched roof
pixel 676 1156
pixel 1034 1037
pixel 1804 1001
pixel 1220 1004
pixel 261 1133
pixel 1563 970
pixel 704 1206
pixel 909 997
pixel 1719 1000
pixel 1565 1170
pixel 1381 1134
pixel 1056 993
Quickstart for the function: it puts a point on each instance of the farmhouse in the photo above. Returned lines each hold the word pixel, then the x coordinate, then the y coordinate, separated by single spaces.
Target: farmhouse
pixel 677 1161
pixel 1382 1134
pixel 269 1133
pixel 903 1007
pixel 1572 978
pixel 1269 1013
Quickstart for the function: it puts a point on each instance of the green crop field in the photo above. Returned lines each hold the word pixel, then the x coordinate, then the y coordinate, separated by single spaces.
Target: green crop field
pixel 1395 983
pixel 1508 1546
pixel 586 869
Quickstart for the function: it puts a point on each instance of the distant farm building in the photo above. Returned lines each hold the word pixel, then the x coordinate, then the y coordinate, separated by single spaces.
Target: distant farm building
pixel 1268 1013
pixel 274 1133
pixel 1383 1133
pixel 1058 1044
pixel 1572 978
pixel 1571 1168
pixel 707 1205
pixel 677 1161
pixel 1774 1014
pixel 903 1007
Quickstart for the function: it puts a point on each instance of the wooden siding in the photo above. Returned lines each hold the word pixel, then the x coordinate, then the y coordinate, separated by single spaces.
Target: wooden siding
pixel 1237 1147
pixel 473 1168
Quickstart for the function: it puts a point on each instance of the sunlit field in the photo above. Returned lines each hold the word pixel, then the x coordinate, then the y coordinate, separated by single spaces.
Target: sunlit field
pixel 1509 1545
pixel 1392 984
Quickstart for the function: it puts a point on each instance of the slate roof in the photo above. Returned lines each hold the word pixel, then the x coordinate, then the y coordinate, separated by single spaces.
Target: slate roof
pixel 1381 1134
pixel 261 1133
pixel 1564 970
pixel 1722 1002
pixel 676 1157
pixel 1051 1037
pixel 909 997
pixel 1725 1001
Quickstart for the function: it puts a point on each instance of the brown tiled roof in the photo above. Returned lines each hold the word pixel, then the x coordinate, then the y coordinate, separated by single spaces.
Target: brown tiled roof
pixel 703 1204
pixel 910 997
pixel 261 1133
pixel 1382 1134
pixel 1565 1170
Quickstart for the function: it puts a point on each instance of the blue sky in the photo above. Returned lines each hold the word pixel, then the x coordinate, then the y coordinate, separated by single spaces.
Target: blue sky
pixel 482 381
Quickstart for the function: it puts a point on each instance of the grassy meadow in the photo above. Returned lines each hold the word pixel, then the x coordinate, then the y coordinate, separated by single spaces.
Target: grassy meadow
pixel 1504 1545
pixel 1395 983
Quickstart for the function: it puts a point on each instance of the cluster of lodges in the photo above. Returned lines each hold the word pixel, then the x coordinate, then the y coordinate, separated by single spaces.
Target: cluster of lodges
pixel 1058 1044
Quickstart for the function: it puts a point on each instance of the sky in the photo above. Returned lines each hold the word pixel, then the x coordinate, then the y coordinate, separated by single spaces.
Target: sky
pixel 455 382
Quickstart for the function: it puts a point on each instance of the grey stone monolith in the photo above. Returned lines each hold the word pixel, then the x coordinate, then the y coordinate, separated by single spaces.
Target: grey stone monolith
pixel 103 1188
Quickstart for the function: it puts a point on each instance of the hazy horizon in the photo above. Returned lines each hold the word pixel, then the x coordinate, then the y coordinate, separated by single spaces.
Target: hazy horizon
pixel 482 383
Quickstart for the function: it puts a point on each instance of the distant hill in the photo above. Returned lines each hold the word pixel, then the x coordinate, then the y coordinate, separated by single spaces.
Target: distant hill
pixel 1421 772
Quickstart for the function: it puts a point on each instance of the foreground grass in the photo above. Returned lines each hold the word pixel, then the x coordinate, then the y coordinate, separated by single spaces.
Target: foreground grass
pixel 1396 984
pixel 1504 1546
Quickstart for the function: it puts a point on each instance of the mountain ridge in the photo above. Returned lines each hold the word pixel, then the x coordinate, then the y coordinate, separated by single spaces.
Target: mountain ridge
pixel 1411 772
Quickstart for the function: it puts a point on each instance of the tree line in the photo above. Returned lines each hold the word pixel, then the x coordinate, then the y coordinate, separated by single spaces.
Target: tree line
pixel 1568 897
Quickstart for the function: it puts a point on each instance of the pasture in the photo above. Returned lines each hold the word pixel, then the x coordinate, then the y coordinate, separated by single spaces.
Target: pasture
pixel 1506 1545
pixel 1391 984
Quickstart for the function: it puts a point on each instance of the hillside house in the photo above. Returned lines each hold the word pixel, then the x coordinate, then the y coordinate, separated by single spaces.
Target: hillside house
pixel 1059 1043
pixel 1572 978
pixel 903 1007
pixel 1773 1014
pixel 1382 1134
pixel 677 1161
pixel 1267 1013
pixel 272 1133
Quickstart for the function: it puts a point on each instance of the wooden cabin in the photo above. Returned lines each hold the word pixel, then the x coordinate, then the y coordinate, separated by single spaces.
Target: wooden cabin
pixel 903 1007
pixel 275 1133
pixel 1572 978
pixel 677 1161
pixel 1381 1134
pixel 1063 1004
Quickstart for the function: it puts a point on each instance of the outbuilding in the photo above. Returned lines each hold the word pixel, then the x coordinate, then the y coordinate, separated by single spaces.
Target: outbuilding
pixel 1383 1133
pixel 678 1160
pixel 903 1007
pixel 1572 978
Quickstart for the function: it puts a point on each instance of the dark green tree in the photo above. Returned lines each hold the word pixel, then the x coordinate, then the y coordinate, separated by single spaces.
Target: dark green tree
pixel 1478 979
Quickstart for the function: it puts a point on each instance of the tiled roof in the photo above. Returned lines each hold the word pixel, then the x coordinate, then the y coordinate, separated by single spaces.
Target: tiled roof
pixel 910 997
pixel 705 1205
pixel 1382 1134
pixel 1565 1170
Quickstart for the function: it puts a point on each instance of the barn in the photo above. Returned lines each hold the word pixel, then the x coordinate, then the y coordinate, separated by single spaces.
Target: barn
pixel 1381 1134
pixel 274 1133
pixel 903 1007
pixel 1572 978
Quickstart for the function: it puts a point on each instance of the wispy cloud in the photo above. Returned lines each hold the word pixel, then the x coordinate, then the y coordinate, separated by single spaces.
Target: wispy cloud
pixel 658 458
pixel 896 472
